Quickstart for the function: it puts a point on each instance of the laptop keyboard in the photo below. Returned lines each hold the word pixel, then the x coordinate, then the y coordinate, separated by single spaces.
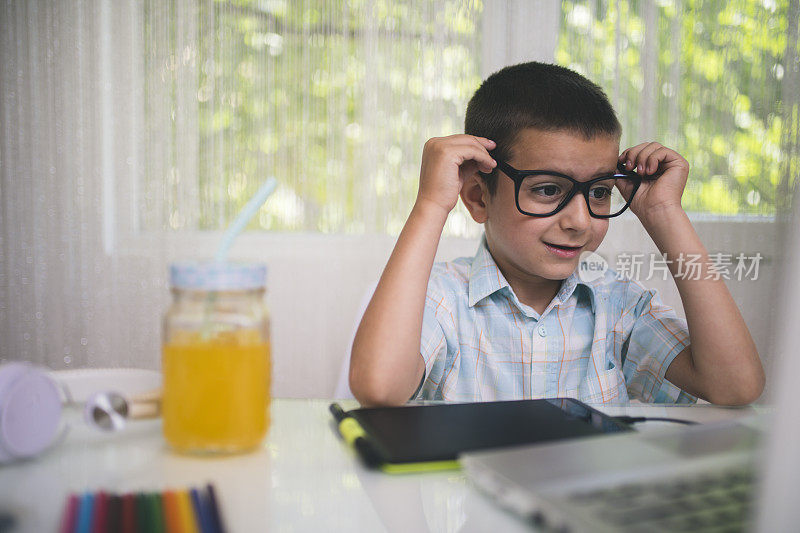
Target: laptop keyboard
pixel 718 502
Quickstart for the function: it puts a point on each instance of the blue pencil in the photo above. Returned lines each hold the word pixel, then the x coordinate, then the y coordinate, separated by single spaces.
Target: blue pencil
pixel 84 523
pixel 201 512
pixel 213 506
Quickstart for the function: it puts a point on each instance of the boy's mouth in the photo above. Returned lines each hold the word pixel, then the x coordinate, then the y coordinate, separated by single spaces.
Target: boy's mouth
pixel 562 246
pixel 561 250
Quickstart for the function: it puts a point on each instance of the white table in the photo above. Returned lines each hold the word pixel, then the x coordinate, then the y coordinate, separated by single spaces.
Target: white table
pixel 304 478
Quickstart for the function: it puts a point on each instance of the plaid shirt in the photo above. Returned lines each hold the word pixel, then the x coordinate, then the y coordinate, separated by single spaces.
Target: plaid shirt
pixel 606 340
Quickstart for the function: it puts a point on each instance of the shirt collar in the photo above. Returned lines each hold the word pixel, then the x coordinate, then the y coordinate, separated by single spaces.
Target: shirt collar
pixel 484 276
pixel 485 279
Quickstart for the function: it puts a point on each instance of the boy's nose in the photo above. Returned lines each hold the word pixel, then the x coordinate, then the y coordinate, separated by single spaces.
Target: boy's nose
pixel 575 215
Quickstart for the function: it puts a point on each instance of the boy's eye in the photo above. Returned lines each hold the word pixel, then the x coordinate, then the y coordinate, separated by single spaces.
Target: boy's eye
pixel 548 190
pixel 601 192
pixel 544 189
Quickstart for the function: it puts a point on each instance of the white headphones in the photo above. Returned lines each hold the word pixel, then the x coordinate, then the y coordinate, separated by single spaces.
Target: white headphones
pixel 30 411
pixel 31 408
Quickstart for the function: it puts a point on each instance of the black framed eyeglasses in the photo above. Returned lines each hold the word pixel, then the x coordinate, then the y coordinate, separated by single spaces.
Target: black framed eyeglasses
pixel 543 193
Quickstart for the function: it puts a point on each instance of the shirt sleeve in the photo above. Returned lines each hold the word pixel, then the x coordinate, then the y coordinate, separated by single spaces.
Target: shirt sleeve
pixel 433 345
pixel 657 336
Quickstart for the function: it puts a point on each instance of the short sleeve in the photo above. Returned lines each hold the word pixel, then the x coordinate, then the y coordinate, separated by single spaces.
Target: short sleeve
pixel 657 336
pixel 433 344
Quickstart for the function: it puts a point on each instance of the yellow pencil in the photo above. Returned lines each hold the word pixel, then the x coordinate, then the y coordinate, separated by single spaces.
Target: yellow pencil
pixel 186 512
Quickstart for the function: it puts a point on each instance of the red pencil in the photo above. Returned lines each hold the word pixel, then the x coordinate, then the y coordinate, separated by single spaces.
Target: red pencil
pixel 128 514
pixel 100 512
pixel 70 514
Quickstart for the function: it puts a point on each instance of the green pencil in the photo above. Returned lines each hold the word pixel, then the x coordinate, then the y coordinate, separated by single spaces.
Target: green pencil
pixel 142 512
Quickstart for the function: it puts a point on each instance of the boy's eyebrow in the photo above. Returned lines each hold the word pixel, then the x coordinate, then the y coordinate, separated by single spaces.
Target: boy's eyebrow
pixel 598 174
pixel 571 173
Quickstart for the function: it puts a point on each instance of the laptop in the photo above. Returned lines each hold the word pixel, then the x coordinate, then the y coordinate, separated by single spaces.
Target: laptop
pixel 742 475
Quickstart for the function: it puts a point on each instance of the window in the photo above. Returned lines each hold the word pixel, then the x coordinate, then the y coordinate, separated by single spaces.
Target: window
pixel 717 81
pixel 336 98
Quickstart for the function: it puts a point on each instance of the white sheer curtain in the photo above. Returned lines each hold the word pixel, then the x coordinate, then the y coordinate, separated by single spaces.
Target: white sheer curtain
pixel 132 131
pixel 71 95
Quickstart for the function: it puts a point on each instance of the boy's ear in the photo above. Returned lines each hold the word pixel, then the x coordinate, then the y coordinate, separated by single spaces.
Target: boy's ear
pixel 475 196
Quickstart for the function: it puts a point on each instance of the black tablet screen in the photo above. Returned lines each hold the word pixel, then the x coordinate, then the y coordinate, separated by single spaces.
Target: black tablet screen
pixel 441 432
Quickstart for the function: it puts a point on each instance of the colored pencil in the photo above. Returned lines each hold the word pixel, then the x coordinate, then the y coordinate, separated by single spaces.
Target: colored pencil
pixel 84 523
pixel 172 517
pixel 143 518
pixel 156 512
pixel 128 514
pixel 172 511
pixel 188 519
pixel 99 512
pixel 216 516
pixel 114 514
pixel 201 511
pixel 70 515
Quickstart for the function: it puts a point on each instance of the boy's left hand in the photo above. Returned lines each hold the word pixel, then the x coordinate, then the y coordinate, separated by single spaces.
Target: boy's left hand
pixel 652 160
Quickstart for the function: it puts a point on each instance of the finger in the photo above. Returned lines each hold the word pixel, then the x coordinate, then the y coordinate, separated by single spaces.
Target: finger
pixel 631 154
pixel 641 158
pixel 462 138
pixel 486 143
pixel 622 160
pixel 474 143
pixel 479 142
pixel 660 155
pixel 479 155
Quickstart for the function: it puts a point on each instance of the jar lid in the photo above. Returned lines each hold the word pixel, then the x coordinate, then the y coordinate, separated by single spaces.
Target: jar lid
pixel 217 276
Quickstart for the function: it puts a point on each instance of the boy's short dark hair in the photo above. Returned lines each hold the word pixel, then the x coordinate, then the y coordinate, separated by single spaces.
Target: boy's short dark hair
pixel 541 96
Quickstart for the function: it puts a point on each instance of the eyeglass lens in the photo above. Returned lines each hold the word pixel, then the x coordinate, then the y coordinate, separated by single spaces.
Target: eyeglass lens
pixel 541 194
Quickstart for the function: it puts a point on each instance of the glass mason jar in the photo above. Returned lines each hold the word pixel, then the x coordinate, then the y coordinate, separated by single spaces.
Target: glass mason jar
pixel 216 358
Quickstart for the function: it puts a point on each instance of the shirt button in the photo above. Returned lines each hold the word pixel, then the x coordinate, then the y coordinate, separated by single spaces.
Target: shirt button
pixel 542 331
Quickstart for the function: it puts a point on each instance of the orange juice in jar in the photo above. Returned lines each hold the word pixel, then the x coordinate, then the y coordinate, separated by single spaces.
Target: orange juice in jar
pixel 216 358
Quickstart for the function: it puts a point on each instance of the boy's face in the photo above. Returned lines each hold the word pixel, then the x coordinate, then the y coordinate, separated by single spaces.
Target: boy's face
pixel 522 245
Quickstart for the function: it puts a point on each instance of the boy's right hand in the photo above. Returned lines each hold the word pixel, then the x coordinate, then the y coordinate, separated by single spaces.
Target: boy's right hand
pixel 447 162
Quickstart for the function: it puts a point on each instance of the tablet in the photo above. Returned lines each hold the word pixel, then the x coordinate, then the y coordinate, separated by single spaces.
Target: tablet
pixel 420 434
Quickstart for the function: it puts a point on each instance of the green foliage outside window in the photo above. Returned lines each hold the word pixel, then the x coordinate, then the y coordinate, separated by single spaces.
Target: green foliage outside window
pixel 724 89
pixel 335 98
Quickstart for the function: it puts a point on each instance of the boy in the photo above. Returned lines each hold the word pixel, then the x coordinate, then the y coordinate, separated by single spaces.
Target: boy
pixel 516 321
